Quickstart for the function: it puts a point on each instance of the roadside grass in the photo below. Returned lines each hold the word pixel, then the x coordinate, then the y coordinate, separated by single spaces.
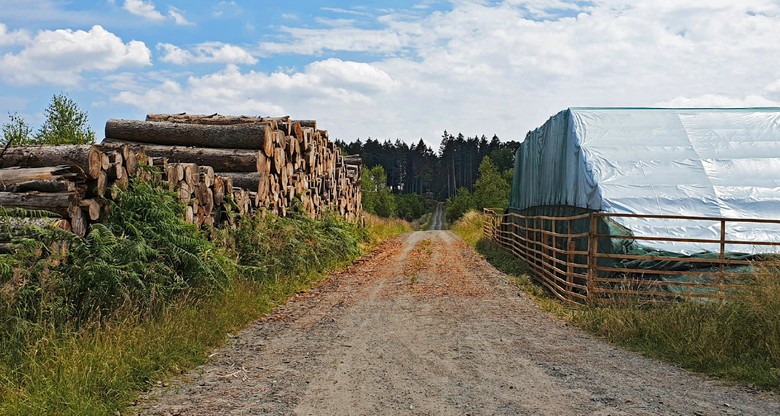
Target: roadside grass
pixel 469 227
pixel 738 340
pixel 64 351
pixel 382 229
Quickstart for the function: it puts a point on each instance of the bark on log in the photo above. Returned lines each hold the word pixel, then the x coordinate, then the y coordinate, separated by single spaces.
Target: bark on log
pixel 206 119
pixel 249 181
pixel 44 156
pixel 62 203
pixel 227 160
pixel 236 136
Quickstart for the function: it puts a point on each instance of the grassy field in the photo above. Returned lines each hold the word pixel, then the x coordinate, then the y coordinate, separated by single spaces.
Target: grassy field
pixel 148 296
pixel 738 341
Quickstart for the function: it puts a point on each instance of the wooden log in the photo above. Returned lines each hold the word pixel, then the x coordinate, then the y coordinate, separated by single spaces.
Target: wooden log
pixel 235 136
pixel 311 124
pixel 44 156
pixel 225 160
pixel 263 164
pixel 61 203
pixel 249 181
pixel 206 119
pixel 278 160
pixel 93 207
pixel 16 175
pixel 78 223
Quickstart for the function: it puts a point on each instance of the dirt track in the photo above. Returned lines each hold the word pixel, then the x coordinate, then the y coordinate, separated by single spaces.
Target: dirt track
pixel 426 327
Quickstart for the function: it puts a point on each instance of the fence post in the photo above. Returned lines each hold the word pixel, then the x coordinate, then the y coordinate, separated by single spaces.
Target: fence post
pixel 571 247
pixel 593 242
pixel 722 258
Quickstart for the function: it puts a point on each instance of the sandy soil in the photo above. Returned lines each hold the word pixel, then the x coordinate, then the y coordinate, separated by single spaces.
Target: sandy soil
pixel 425 326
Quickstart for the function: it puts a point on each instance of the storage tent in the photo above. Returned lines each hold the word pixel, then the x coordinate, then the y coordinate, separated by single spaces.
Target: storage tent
pixel 692 162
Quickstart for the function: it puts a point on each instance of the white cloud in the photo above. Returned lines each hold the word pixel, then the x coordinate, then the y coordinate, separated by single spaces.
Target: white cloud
pixel 16 37
pixel 324 87
pixel 499 67
pixel 59 57
pixel 149 11
pixel 143 9
pixel 226 7
pixel 177 17
pixel 715 100
pixel 348 39
pixel 209 52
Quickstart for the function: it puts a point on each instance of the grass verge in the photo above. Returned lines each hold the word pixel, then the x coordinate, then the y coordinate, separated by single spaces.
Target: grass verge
pixel 146 296
pixel 737 341
pixel 382 229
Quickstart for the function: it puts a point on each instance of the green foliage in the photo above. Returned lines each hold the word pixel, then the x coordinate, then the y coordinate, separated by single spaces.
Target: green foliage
pixel 16 132
pixel 141 296
pixel 269 246
pixel 145 256
pixel 738 340
pixel 491 189
pixel 469 227
pixel 410 206
pixel 462 202
pixel 65 124
pixel 377 198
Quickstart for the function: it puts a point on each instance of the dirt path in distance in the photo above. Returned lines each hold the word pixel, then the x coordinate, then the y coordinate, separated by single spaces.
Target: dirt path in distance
pixel 424 326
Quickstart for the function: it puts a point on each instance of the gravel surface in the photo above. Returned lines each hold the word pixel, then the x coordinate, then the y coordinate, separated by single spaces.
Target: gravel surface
pixel 424 326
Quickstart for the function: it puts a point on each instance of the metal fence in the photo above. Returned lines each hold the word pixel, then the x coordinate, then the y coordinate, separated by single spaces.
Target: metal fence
pixel 570 256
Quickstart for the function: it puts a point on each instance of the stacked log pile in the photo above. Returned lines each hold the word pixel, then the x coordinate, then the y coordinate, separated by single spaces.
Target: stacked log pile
pixel 220 167
pixel 279 160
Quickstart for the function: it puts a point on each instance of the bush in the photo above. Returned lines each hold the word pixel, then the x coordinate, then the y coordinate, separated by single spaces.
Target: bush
pixel 268 246
pixel 410 206
pixel 458 205
pixel 377 198
pixel 143 257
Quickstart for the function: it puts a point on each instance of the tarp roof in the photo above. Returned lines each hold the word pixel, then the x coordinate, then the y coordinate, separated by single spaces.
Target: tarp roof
pixel 675 161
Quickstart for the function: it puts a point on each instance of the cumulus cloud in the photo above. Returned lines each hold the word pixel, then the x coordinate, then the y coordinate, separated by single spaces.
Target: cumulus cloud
pixel 177 17
pixel 149 11
pixel 15 37
pixel 503 66
pixel 324 87
pixel 143 9
pixel 208 52
pixel 59 57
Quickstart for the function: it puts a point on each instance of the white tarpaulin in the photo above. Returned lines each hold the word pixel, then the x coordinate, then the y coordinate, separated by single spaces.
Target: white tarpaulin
pixel 718 163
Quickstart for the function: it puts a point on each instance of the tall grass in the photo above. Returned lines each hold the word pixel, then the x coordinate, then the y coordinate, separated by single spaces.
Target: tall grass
pixel 381 229
pixel 737 340
pixel 146 295
pixel 469 227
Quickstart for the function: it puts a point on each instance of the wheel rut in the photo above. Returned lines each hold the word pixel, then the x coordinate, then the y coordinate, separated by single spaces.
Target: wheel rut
pixel 424 326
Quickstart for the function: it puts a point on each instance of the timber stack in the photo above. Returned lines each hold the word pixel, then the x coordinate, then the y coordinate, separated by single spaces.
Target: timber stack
pixel 221 167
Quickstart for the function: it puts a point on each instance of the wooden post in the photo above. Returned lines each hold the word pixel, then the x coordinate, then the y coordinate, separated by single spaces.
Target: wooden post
pixel 570 248
pixel 593 242
pixel 722 258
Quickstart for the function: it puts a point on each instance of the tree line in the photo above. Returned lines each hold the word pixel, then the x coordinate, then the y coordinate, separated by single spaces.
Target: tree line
pixel 469 172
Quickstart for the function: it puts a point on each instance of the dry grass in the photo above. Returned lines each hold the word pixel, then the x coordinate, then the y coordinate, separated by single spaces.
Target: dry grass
pixel 469 227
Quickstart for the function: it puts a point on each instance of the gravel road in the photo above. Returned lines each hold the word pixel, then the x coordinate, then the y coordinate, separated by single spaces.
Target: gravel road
pixel 424 326
pixel 437 218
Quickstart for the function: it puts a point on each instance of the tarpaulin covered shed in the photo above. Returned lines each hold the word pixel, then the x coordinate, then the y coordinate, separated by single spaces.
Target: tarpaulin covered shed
pixel 717 163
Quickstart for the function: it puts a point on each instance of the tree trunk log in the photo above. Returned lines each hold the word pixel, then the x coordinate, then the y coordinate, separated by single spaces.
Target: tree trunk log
pixel 45 156
pixel 226 160
pixel 236 136
pixel 61 203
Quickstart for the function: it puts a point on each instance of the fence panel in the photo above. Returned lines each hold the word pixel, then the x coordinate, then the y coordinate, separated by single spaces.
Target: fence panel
pixel 576 259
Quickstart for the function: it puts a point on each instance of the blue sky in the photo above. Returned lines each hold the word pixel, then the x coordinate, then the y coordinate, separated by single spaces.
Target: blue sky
pixel 389 70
